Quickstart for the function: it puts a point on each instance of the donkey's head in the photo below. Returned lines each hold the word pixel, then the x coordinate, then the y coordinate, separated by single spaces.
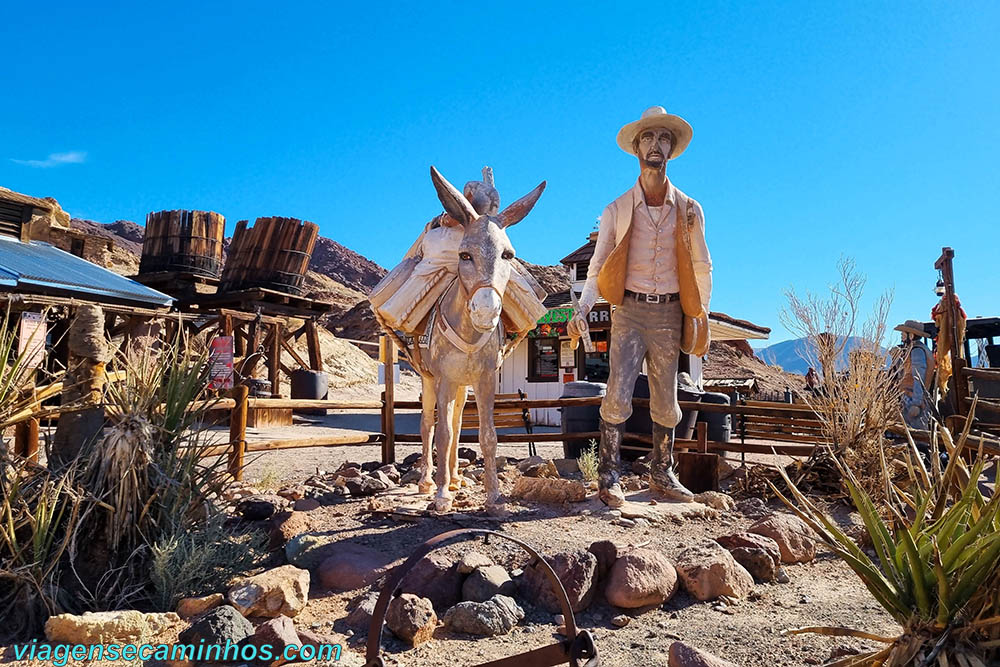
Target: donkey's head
pixel 485 255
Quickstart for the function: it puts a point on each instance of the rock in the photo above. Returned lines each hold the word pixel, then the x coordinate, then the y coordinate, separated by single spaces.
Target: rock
pixel 102 627
pixel 548 490
pixel 351 471
pixel 606 553
pixel 309 550
pixel 624 523
pixel 640 466
pixel 411 476
pixel 473 559
pixel 751 541
pixel 287 525
pixel 351 566
pixel 757 562
pixel 283 590
pixel 370 466
pixel 545 469
pixel 349 464
pixel 277 633
pixel 412 460
pixel 708 571
pixel 435 577
pixel 621 620
pixel 566 467
pixel 502 462
pixel 219 626
pixel 780 576
pixel 529 462
pixel 326 497
pixel 306 505
pixel 682 655
pixel 753 508
pixel 258 507
pixel 487 581
pixel 390 471
pixel 191 607
pixel 641 578
pixel 633 483
pixel 293 493
pixel 468 454
pixel 715 500
pixel 794 537
pixel 474 473
pixel 384 477
pixel 576 570
pixel 361 614
pixel 411 618
pixel 365 485
pixel 496 616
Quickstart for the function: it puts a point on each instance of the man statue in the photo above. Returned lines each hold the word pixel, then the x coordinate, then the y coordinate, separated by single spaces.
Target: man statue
pixel 652 263
pixel 917 372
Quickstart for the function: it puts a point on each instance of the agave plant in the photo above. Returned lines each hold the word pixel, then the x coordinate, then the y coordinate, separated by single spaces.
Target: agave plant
pixel 933 559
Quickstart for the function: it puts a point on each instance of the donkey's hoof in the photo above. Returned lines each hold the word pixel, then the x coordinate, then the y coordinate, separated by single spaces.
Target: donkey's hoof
pixel 498 511
pixel 442 505
pixel 459 483
pixel 426 487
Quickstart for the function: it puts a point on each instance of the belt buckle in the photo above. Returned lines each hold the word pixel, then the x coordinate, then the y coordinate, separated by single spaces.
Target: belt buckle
pixel 652 298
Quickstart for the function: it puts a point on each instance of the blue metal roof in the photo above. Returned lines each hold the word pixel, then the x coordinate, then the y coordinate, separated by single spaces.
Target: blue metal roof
pixel 42 268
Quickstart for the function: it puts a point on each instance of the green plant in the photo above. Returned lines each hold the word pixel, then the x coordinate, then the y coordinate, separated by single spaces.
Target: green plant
pixel 588 462
pixel 196 562
pixel 269 479
pixel 932 560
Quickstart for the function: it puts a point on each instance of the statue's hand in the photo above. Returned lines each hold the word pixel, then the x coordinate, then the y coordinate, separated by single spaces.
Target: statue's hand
pixel 578 325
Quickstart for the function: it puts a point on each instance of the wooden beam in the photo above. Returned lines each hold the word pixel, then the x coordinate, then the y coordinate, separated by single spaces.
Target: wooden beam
pixel 295 355
pixel 312 341
pixel 238 431
pixel 389 428
pixel 335 440
pixel 274 361
pixel 26 439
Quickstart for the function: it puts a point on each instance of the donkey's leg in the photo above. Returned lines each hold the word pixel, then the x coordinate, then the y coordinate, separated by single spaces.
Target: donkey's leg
pixel 485 395
pixel 446 392
pixel 429 397
pixel 455 480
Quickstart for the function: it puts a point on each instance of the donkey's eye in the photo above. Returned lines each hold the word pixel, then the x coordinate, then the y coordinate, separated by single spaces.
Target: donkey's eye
pixel 465 257
pixel 508 255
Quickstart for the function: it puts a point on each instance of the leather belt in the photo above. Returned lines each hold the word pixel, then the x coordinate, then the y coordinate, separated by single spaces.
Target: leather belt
pixel 652 298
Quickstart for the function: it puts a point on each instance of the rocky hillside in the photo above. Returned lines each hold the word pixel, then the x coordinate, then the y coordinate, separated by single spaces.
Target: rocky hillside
pixel 736 359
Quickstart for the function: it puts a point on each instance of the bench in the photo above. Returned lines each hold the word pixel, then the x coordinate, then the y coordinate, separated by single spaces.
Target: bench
pixel 513 416
pixel 796 423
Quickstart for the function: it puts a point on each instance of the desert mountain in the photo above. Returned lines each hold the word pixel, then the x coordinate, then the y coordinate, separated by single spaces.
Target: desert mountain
pixel 791 355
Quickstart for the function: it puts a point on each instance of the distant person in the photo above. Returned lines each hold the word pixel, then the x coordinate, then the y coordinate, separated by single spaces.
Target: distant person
pixel 812 380
pixel 917 373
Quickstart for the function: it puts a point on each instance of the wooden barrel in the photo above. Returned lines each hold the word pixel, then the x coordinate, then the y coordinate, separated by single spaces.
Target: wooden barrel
pixel 183 241
pixel 274 254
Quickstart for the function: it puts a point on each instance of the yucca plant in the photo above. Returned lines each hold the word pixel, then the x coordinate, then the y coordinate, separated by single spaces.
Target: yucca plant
pixel 933 559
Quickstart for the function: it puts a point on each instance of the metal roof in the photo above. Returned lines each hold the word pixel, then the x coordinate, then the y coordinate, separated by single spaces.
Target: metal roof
pixel 42 268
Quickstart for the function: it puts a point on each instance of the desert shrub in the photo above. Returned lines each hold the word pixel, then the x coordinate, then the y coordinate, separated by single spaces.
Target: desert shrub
pixel 588 462
pixel 197 562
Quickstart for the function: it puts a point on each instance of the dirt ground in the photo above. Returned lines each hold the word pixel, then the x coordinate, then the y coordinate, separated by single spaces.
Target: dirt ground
pixel 821 593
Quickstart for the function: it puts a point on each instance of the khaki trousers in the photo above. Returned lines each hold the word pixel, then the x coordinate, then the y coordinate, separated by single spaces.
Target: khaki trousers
pixel 651 332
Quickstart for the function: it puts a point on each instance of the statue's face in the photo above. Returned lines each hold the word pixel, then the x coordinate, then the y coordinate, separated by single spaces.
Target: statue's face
pixel 653 146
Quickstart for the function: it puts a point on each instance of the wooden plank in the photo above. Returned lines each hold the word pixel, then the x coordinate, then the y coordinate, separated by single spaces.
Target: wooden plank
pixel 274 360
pixel 312 343
pixel 238 431
pixel 982 373
pixel 335 440
pixel 26 439
pixel 295 355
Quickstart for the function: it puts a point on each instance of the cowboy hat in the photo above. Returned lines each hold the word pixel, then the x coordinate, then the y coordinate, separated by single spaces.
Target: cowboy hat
pixel 913 327
pixel 656 117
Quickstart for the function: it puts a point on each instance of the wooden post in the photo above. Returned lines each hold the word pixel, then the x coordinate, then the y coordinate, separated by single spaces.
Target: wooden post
pixel 945 266
pixel 26 439
pixel 312 343
pixel 238 431
pixel 253 342
pixel 274 360
pixel 389 409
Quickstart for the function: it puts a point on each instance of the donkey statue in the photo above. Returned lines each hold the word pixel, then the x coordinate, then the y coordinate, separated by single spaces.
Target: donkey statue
pixel 466 342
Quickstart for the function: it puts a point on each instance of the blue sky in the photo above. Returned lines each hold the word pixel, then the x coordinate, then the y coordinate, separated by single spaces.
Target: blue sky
pixel 866 129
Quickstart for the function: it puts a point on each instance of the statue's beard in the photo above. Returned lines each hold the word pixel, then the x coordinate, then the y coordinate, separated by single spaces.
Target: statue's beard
pixel 654 161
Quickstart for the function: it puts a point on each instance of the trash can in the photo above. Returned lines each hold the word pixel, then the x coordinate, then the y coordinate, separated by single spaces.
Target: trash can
pixel 719 423
pixel 641 422
pixel 310 385
pixel 580 418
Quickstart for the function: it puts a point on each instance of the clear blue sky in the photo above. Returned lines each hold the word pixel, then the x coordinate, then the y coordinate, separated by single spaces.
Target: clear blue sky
pixel 869 129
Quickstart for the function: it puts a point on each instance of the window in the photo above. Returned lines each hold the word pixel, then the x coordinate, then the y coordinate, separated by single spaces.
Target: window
pixel 76 247
pixel 581 270
pixel 596 366
pixel 12 217
pixel 543 360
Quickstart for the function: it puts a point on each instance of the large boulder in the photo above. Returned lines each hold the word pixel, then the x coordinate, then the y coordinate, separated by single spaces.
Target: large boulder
pixel 496 616
pixel 751 541
pixel 758 554
pixel 411 618
pixel 191 607
pixel 276 634
pixel 352 566
pixel 682 655
pixel 794 538
pixel 606 553
pixel 281 591
pixel 487 581
pixel 435 577
pixel 260 506
pixel 222 626
pixel 361 611
pixel 641 578
pixel 577 570
pixel 102 627
pixel 709 571
pixel 471 560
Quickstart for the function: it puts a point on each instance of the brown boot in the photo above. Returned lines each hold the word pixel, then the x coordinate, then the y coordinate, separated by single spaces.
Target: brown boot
pixel 662 479
pixel 608 481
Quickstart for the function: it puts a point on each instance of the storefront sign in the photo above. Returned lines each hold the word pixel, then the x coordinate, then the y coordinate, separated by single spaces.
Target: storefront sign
pixel 31 339
pixel 567 359
pixel 220 361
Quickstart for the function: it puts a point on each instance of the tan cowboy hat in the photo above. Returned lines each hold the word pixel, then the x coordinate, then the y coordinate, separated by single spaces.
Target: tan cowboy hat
pixel 913 327
pixel 656 117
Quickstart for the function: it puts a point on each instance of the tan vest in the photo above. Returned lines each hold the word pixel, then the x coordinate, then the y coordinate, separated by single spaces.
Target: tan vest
pixel 695 336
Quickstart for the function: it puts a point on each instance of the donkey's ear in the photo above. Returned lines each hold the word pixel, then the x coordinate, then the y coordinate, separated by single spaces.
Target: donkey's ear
pixel 455 203
pixel 515 213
